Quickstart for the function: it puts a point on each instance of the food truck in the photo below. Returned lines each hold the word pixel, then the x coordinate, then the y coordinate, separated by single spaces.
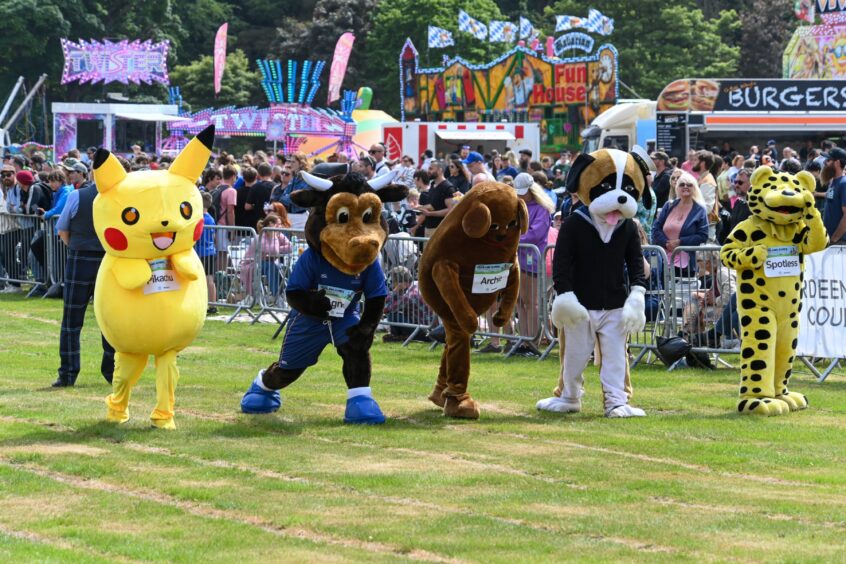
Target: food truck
pixel 414 137
pixel 697 113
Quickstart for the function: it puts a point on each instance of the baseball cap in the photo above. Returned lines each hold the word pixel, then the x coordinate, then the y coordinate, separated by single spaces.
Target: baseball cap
pixel 836 154
pixel 660 156
pixel 771 142
pixel 25 177
pixel 473 157
pixel 526 152
pixel 522 183
pixel 69 163
pixel 80 168
pixel 465 146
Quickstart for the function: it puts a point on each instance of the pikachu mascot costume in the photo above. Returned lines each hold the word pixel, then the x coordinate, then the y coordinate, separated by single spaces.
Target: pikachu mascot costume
pixel 150 297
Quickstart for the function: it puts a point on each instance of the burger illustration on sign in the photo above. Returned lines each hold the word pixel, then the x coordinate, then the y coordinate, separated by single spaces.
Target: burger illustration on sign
pixel 697 95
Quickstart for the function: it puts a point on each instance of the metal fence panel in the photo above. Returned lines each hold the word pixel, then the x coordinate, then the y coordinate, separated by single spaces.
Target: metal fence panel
pixel 234 270
pixel 20 261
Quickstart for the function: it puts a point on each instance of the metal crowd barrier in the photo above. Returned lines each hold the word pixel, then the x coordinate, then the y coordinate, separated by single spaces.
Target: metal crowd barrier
pixel 18 263
pixel 57 251
pixel 235 270
pixel 703 305
pixel 277 250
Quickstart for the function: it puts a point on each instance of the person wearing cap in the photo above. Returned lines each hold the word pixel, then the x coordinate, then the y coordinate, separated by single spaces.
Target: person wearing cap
pixel 771 150
pixel 85 252
pixel 465 150
pixel 834 215
pixel 27 198
pixel 76 171
pixel 525 159
pixel 540 209
pixel 9 232
pixel 476 165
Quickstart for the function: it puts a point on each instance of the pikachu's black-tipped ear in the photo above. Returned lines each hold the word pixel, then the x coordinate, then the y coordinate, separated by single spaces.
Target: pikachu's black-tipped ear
pixel 194 157
pixel 108 172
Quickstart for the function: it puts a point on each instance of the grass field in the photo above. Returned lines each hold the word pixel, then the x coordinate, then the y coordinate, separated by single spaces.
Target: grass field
pixel 693 481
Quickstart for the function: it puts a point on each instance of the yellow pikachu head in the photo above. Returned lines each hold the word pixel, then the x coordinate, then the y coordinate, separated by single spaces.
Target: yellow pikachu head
pixel 150 214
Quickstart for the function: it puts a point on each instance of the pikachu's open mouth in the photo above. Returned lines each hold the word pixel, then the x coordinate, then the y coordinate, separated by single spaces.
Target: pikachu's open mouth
pixel 164 240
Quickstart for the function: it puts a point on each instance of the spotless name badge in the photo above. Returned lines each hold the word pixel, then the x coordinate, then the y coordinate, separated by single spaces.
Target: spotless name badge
pixel 339 298
pixel 782 261
pixel 490 278
pixel 163 278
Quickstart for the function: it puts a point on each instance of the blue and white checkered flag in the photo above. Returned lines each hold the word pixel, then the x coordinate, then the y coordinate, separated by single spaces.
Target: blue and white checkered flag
pixel 439 38
pixel 566 23
pixel 502 32
pixel 472 26
pixel 599 23
pixel 526 28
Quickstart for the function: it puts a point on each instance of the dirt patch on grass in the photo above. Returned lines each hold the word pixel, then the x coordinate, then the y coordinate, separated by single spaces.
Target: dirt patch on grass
pixel 19 315
pixel 206 511
pixel 56 449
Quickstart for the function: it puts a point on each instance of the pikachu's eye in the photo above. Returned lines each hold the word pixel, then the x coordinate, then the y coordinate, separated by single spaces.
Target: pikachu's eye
pixel 130 216
pixel 186 210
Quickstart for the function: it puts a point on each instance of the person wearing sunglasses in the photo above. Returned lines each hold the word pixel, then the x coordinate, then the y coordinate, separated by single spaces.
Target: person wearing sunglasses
pixel 377 152
pixel 682 222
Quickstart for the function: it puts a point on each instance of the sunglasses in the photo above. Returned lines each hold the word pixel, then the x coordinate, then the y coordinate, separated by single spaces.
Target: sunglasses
pixel 285 173
pixel 374 151
pixel 683 184
pixel 7 174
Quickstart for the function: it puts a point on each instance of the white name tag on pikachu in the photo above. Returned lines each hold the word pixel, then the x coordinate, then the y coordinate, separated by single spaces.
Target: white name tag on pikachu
pixel 782 261
pixel 490 278
pixel 163 278
pixel 339 298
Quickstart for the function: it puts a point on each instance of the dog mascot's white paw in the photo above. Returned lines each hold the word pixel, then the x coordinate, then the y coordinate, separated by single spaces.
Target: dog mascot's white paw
pixel 634 316
pixel 567 311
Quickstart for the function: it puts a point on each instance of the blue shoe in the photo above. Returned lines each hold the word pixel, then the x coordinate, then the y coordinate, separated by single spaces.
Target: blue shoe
pixel 257 400
pixel 363 410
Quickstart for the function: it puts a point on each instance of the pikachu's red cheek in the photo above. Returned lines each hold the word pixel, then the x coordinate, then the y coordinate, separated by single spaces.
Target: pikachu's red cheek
pixel 198 231
pixel 116 239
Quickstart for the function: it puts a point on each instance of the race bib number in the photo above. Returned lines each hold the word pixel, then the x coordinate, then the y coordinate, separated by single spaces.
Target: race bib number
pixel 490 278
pixel 782 261
pixel 339 298
pixel 163 278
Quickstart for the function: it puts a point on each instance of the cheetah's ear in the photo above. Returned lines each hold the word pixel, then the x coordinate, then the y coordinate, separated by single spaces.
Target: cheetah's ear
pixel 760 172
pixel 806 179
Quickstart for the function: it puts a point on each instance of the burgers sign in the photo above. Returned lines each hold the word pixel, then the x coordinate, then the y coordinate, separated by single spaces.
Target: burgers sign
pixel 734 95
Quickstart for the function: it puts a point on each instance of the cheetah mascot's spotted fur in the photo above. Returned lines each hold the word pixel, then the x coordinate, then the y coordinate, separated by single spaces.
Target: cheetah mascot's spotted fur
pixel 784 222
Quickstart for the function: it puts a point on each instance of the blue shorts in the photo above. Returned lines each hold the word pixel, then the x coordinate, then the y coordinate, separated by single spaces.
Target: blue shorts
pixel 306 337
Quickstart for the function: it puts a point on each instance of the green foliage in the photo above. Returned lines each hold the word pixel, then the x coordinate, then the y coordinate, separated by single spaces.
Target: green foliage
pixel 397 20
pixel 240 85
pixel 200 20
pixel 659 42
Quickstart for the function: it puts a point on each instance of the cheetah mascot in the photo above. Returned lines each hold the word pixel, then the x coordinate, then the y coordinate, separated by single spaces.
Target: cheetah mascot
pixel 767 250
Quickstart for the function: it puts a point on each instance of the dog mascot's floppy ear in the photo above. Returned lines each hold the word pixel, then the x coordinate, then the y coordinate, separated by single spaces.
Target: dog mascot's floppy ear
pixel 646 166
pixel 477 220
pixel 583 161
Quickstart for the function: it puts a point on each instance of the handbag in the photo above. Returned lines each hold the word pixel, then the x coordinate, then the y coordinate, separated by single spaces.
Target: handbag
pixel 671 349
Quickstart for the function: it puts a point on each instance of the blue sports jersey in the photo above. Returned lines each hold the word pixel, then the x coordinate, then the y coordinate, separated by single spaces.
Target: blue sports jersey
pixel 312 272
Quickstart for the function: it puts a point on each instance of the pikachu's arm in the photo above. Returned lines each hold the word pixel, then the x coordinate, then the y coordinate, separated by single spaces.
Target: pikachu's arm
pixel 186 264
pixel 130 273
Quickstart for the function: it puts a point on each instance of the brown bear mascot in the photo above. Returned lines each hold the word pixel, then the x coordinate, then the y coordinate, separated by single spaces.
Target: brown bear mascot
pixel 468 264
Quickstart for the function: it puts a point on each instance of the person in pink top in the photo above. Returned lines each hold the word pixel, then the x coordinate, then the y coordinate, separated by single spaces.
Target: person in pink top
pixel 682 222
pixel 226 197
pixel 271 245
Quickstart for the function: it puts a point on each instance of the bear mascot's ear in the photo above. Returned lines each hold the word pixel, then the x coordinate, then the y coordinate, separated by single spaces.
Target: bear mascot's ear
pixel 579 165
pixel 522 216
pixel 477 220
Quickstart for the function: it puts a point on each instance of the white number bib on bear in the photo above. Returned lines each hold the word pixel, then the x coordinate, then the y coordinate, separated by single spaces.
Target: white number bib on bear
pixel 782 261
pixel 490 278
pixel 339 298
pixel 163 278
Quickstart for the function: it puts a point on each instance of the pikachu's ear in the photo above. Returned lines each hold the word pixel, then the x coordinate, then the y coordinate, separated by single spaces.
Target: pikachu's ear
pixel 194 157
pixel 108 172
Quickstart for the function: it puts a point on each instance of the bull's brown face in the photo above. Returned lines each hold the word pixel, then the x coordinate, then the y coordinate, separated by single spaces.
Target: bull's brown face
pixel 353 235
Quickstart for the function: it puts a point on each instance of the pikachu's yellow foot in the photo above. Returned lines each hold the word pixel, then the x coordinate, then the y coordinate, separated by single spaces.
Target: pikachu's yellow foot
pixel 164 424
pixel 762 406
pixel 115 415
pixel 794 400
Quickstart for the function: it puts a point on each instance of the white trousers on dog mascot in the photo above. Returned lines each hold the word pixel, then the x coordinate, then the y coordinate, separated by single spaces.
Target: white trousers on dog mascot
pixel 607 326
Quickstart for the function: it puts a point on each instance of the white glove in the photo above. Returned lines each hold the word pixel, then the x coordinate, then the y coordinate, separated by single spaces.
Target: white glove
pixel 634 310
pixel 567 311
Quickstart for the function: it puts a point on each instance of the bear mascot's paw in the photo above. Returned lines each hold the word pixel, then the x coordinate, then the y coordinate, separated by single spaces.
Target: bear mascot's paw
pixel 622 411
pixel 795 401
pixel 567 311
pixel 762 406
pixel 558 405
pixel 634 312
pixel 258 400
pixel 461 407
